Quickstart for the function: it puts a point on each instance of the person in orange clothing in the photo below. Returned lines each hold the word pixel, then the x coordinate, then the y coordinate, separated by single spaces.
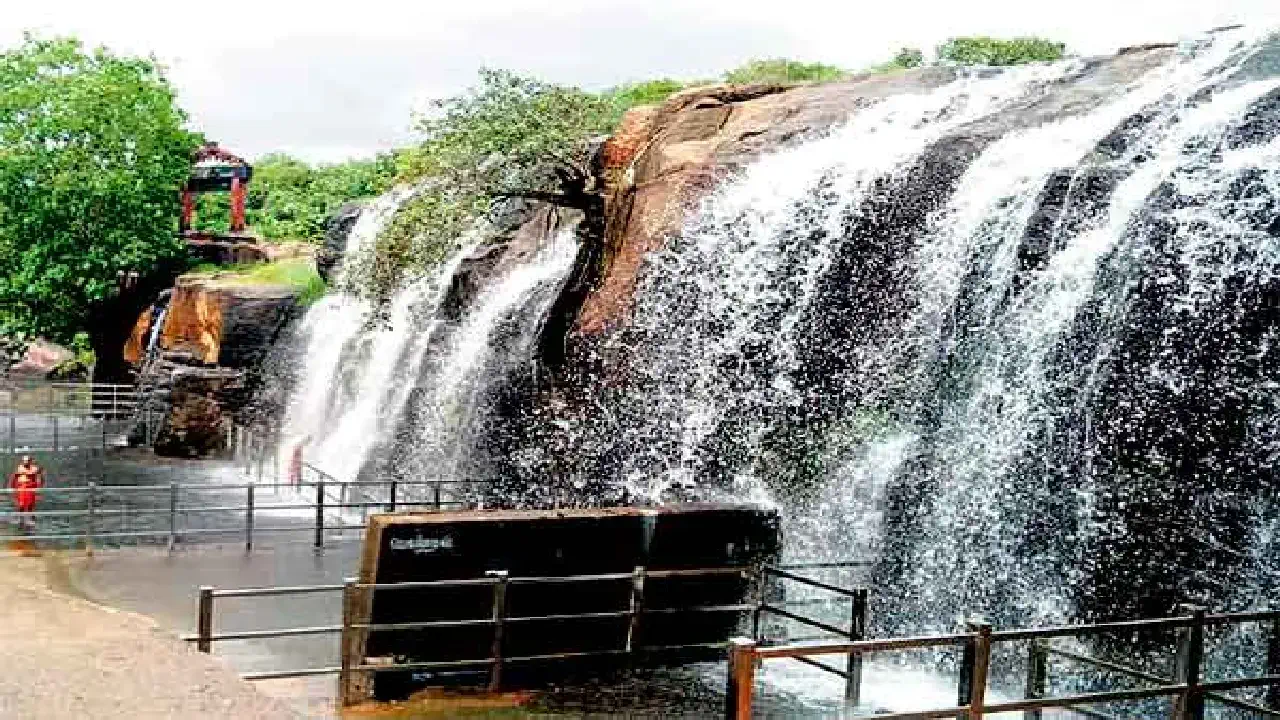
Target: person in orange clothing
pixel 25 481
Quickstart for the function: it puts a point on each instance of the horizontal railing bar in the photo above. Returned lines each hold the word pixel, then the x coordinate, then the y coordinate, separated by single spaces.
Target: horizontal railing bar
pixel 436 665
pixel 285 674
pixel 1239 683
pixel 1094 629
pixel 425 624
pixel 266 634
pixel 765 607
pixel 864 646
pixel 570 616
pixel 952 712
pixel 1066 701
pixel 772 570
pixel 1241 617
pixel 273 591
pixel 824 565
pixel 740 607
pixel 822 666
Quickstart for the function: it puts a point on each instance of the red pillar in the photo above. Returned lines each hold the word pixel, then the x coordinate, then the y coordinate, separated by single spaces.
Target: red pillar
pixel 237 205
pixel 188 210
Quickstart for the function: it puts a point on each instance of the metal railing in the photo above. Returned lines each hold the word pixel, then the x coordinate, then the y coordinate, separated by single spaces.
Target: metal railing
pixel 85 522
pixel 40 397
pixel 857 599
pixel 1188 690
pixel 351 666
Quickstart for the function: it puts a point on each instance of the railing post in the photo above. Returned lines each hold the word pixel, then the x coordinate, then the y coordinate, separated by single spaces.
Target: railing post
pixel 981 664
pixel 319 539
pixel 391 506
pixel 55 432
pixel 857 631
pixel 1037 675
pixel 972 686
pixel 173 515
pixel 347 647
pixel 1273 665
pixel 437 494
pixel 1190 704
pixel 13 431
pixel 90 510
pixel 740 679
pixel 499 613
pixel 204 620
pixel 248 518
pixel 637 607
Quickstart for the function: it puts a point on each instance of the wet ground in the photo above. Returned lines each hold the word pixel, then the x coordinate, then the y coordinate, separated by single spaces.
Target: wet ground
pixel 142 575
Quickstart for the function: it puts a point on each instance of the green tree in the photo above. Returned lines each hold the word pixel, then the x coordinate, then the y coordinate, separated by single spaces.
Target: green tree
pixel 93 151
pixel 291 200
pixel 981 50
pixel 782 70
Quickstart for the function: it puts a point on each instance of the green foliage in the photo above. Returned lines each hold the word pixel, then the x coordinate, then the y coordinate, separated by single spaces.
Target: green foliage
pixel 291 200
pixel 652 92
pixel 905 59
pixel 782 70
pixel 982 50
pixel 510 135
pixel 93 151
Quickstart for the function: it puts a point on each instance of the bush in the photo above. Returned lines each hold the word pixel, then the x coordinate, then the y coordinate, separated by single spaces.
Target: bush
pixel 782 70
pixel 999 52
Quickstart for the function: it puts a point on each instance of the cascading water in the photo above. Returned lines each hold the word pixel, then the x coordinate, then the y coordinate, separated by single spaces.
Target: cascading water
pixel 919 335
pixel 1012 338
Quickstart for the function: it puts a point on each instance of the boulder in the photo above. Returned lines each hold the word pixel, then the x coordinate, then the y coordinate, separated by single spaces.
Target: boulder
pixel 41 360
pixel 336 230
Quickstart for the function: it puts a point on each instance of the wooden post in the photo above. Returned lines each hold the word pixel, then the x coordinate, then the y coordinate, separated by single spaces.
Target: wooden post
pixel 1037 675
pixel 248 518
pixel 499 613
pixel 90 509
pixel 964 686
pixel 319 539
pixel 637 608
pixel 981 664
pixel 740 680
pixel 1190 704
pixel 1273 665
pixel 173 515
pixel 853 665
pixel 204 620
pixel 346 689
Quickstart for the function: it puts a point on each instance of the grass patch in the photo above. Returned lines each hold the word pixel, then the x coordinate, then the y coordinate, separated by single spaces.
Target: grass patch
pixel 299 273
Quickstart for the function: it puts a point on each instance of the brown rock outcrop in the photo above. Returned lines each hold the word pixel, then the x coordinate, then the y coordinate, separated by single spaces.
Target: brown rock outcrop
pixel 664 159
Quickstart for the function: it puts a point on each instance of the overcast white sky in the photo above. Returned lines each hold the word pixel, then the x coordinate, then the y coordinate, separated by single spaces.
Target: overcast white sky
pixel 330 80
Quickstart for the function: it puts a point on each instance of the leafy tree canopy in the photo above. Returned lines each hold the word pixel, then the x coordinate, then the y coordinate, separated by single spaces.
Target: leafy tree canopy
pixel 291 200
pixel 93 151
pixel 982 50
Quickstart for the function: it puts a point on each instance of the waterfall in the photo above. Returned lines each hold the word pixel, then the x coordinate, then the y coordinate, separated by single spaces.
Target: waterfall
pixel 1013 339
pixel 936 337
pixel 399 397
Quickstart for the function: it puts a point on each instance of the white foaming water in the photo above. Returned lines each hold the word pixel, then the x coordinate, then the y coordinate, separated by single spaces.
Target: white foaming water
pixel 504 324
pixel 749 234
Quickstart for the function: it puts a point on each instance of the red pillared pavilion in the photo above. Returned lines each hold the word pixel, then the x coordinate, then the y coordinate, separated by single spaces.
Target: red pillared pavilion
pixel 216 170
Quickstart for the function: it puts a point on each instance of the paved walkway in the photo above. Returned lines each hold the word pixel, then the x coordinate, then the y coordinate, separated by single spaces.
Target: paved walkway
pixel 64 657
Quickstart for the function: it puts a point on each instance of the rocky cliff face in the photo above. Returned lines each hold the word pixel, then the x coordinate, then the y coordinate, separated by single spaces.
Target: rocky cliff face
pixel 197 353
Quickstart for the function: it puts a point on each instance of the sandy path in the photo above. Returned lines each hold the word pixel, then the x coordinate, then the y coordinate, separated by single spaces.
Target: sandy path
pixel 64 657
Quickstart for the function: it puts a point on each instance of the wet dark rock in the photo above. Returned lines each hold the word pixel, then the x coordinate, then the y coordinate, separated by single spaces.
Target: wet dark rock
pixel 336 231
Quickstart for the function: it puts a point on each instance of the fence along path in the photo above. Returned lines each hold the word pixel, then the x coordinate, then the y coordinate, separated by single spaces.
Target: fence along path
pixel 1189 691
